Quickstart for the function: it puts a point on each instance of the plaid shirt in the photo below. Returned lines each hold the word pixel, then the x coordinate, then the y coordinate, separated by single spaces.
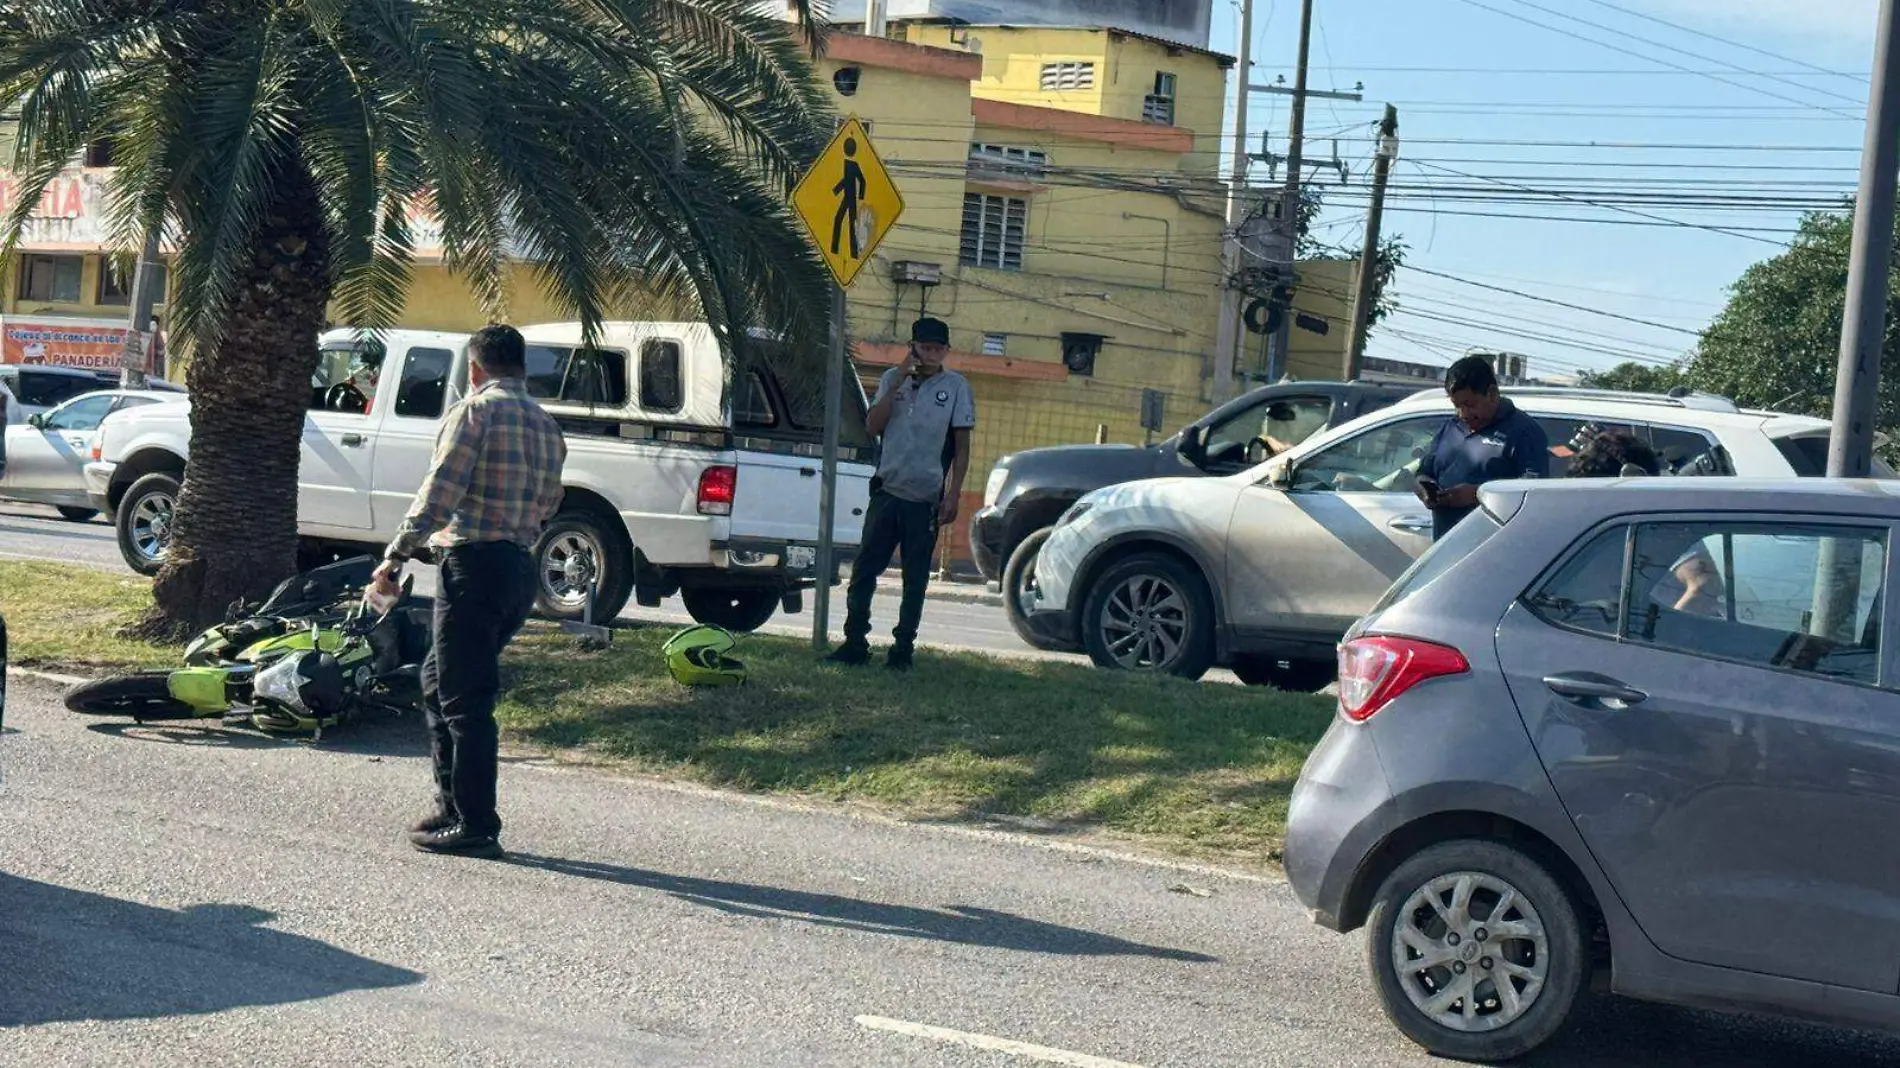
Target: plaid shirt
pixel 496 475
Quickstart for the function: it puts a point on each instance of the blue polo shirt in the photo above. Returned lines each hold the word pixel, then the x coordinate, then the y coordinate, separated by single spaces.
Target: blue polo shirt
pixel 1512 445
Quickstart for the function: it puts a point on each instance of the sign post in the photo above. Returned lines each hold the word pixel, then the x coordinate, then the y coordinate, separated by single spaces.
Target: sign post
pixel 848 202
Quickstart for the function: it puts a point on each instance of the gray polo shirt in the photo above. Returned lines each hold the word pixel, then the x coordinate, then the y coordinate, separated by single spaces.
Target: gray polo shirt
pixel 917 447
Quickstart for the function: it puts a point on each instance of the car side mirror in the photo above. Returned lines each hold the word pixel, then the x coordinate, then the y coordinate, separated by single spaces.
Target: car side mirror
pixel 1280 476
pixel 1194 445
pixel 37 421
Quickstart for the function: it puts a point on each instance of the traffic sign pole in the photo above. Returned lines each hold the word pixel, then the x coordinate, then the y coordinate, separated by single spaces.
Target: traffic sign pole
pixel 828 484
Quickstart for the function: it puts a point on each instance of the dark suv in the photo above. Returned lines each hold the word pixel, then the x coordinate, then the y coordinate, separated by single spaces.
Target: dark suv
pixel 1028 491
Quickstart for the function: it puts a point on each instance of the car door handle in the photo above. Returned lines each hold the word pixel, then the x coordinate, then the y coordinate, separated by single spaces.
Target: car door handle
pixel 351 441
pixel 807 472
pixel 1588 685
pixel 1412 524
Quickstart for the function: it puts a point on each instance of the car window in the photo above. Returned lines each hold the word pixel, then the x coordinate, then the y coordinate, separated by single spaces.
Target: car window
pixel 134 402
pixel 1568 433
pixel 1286 420
pixel 1585 592
pixel 1807 455
pixel 346 378
pixel 48 389
pixel 662 388
pixel 425 382
pixel 577 376
pixel 752 405
pixel 1381 460
pixel 85 414
pixel 1687 452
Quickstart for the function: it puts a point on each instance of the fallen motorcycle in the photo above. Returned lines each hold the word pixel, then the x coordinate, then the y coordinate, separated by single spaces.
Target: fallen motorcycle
pixel 307 659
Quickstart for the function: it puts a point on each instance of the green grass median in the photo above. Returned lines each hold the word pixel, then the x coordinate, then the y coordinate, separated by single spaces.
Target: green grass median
pixel 1201 769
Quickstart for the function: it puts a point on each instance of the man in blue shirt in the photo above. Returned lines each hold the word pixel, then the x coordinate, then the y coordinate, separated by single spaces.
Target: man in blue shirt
pixel 1487 440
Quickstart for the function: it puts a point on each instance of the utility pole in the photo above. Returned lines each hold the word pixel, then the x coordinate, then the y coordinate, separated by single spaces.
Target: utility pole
pixel 1369 256
pixel 1227 332
pixel 1290 198
pixel 1864 321
pixel 136 362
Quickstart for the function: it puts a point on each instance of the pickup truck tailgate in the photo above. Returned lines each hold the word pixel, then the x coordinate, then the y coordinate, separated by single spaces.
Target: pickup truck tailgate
pixel 776 499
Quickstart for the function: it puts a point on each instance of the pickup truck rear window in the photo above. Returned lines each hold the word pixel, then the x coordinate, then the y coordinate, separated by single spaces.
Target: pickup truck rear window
pixel 578 376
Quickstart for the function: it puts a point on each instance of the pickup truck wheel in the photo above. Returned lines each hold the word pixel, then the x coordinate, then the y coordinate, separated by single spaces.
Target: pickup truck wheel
pixel 574 549
pixel 738 611
pixel 144 522
pixel 1293 676
pixel 77 515
pixel 1151 613
pixel 1019 581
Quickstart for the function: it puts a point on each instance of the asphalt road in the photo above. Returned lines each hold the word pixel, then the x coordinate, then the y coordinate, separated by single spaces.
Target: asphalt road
pixel 31 532
pixel 174 896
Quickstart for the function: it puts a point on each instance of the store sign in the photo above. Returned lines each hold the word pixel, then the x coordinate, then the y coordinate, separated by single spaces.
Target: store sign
pixel 54 344
pixel 71 212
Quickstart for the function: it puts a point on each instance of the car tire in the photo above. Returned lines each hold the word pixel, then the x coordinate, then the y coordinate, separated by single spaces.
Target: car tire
pixel 740 611
pixel 1421 894
pixel 1019 577
pixel 1150 599
pixel 143 522
pixel 562 567
pixel 1293 676
pixel 77 515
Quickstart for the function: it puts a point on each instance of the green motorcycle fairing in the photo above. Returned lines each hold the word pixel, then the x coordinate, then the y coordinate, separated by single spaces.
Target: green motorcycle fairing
pixel 206 687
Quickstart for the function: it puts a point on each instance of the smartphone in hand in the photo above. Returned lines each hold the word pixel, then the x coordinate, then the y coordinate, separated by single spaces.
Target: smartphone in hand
pixel 1428 486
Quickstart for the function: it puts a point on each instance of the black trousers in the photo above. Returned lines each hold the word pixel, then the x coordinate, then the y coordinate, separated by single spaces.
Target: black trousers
pixel 890 524
pixel 486 591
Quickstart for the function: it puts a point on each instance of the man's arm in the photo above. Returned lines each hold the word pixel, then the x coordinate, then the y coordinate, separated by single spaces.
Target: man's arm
pixel 879 416
pixel 457 449
pixel 953 486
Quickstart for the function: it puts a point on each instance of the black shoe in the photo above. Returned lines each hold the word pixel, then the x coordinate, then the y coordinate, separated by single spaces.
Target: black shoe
pixel 899 658
pixel 456 840
pixel 441 820
pixel 850 654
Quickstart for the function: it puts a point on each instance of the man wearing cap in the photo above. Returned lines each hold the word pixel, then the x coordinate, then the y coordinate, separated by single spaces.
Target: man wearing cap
pixel 923 415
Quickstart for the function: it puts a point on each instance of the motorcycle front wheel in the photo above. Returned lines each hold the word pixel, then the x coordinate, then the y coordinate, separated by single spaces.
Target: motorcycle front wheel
pixel 144 696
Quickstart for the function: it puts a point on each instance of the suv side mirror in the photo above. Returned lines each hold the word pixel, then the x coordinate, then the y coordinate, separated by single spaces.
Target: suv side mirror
pixel 1280 476
pixel 1193 447
pixel 37 420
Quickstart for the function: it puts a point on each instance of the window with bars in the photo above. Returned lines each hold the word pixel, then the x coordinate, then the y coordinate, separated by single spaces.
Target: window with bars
pixel 1008 159
pixel 995 344
pixel 993 229
pixel 1158 107
pixel 1067 76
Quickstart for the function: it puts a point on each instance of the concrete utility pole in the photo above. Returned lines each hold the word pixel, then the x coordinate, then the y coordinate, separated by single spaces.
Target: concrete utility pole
pixel 144 294
pixel 1369 256
pixel 1864 321
pixel 1227 332
pixel 1290 197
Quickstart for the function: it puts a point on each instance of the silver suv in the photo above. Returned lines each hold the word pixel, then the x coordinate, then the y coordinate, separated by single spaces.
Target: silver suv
pixel 1647 726
pixel 1265 570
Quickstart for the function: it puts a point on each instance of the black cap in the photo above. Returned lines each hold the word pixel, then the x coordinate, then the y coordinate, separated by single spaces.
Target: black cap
pixel 930 331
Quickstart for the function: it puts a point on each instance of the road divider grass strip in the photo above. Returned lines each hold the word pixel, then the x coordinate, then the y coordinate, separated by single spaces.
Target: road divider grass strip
pixel 1054 747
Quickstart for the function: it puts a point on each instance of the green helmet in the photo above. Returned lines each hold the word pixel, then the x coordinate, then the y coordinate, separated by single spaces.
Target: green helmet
pixel 697 657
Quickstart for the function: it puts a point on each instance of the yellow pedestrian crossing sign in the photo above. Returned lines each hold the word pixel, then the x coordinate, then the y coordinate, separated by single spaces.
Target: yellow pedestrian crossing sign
pixel 848 201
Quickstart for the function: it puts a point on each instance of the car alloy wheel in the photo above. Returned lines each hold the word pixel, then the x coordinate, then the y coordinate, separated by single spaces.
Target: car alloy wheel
pixel 1145 622
pixel 152 526
pixel 569 563
pixel 1470 952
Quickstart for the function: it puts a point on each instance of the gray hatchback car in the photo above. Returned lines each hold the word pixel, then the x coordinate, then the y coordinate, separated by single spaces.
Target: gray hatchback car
pixel 1645 730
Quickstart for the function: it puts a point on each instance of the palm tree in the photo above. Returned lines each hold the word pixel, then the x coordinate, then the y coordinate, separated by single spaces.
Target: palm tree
pixel 632 150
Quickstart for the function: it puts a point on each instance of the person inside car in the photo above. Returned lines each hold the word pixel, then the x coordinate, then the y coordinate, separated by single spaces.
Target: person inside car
pixel 1693 583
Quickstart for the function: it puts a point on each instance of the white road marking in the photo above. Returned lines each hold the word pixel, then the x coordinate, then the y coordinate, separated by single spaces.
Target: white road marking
pixel 973 1040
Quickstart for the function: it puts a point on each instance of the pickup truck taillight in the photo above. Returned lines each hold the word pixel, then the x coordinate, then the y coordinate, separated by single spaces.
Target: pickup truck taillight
pixel 716 487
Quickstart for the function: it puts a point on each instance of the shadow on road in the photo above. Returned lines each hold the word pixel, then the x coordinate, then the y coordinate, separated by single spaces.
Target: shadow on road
pixel 1616 1033
pixel 962 924
pixel 71 955
pixel 377 735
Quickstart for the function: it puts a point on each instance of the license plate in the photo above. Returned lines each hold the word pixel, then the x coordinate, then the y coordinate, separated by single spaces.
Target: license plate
pixel 800 557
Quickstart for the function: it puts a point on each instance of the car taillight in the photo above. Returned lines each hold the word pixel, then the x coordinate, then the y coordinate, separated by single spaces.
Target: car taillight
pixel 1374 671
pixel 716 487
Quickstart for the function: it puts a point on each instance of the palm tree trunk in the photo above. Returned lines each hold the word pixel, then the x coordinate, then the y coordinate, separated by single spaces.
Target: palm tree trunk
pixel 235 530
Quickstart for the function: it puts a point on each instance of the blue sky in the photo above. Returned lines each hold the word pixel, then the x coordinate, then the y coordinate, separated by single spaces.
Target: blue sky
pixel 1795 135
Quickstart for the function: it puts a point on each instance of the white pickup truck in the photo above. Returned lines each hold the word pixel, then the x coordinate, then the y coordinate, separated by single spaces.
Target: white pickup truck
pixel 681 478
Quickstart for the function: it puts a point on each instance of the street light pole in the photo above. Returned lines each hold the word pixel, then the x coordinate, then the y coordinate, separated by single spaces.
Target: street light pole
pixel 1864 321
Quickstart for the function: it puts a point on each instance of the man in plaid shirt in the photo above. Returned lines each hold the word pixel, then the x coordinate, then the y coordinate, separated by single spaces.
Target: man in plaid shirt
pixel 494 483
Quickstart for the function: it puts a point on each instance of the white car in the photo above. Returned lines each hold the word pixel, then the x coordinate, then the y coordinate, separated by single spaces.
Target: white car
pixel 47 453
pixel 1265 570
pixel 38 389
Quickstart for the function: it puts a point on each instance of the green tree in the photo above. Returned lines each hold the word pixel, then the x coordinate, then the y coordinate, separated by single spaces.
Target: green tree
pixel 1776 343
pixel 1633 377
pixel 634 150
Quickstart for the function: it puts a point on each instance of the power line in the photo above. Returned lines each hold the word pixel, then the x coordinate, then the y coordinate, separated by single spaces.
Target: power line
pixel 1552 301
pixel 1645 16
pixel 1629 211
